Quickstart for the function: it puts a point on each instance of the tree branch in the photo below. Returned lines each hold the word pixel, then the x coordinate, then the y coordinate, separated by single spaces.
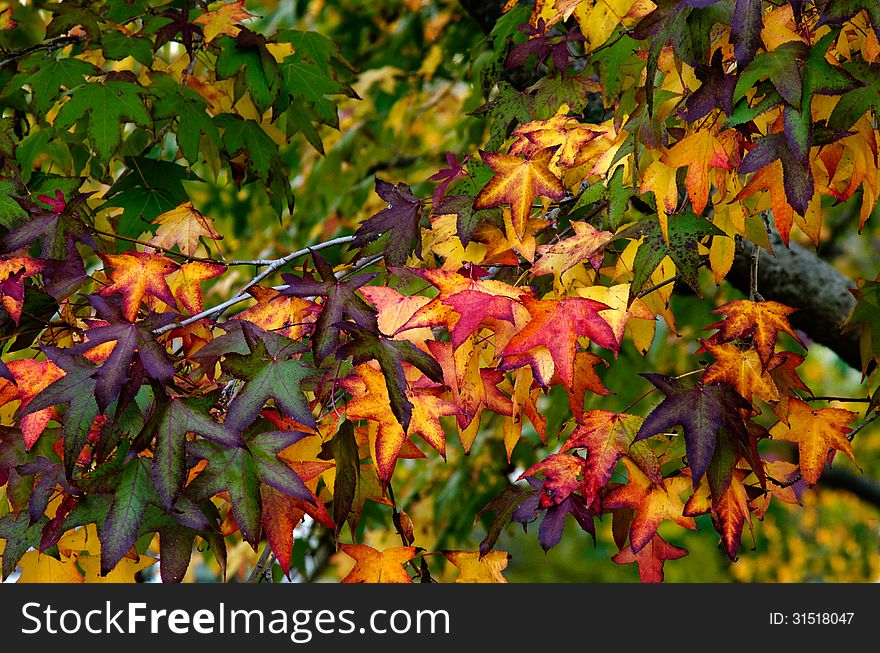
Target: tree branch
pixel 866 489
pixel 798 278
pixel 52 44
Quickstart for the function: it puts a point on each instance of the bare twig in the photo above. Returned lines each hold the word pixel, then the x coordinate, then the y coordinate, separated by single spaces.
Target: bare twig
pixel 52 44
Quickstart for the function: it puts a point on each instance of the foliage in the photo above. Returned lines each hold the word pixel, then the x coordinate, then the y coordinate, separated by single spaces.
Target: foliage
pixel 502 244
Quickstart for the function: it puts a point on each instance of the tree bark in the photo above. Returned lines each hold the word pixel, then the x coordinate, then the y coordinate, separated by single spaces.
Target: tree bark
pixel 797 277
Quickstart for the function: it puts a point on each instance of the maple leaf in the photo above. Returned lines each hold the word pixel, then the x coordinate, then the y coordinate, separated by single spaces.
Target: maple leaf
pixel 477 568
pixel 731 512
pixel 474 309
pixel 185 283
pixel 365 345
pixel 372 566
pixel 650 558
pixel 39 568
pixel 439 313
pixel 136 275
pixel 341 302
pixel 556 325
pixel 776 166
pixel 652 502
pixel 134 490
pixel 865 316
pixel 183 226
pixel 553 522
pixel 13 271
pixel 588 243
pixel 760 320
pixel 447 176
pixel 816 432
pixel 175 420
pixel 400 220
pixel 518 182
pixel 57 228
pixel 19 535
pixel 746 25
pixel 607 437
pixel 701 411
pixel 699 151
pixel 585 378
pixel 395 310
pixel 740 368
pixel 684 235
pixel 239 470
pixel 468 220
pixel 562 475
pixel 31 377
pixel 223 20
pixel 716 90
pixel 76 389
pixel 108 104
pixel 286 315
pixel 128 337
pixel 370 401
pixel 267 375
pixel 179 24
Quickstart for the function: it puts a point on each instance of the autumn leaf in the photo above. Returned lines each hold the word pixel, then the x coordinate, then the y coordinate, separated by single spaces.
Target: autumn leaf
pixel 183 227
pixel 476 568
pixel 518 182
pixel 562 474
pixel 607 437
pixel 816 433
pixel 13 271
pixel 136 275
pixel 742 369
pixel 286 315
pixel 474 309
pixel 699 151
pixel 760 320
pixel 372 566
pixel 702 411
pixel 370 401
pixel 223 19
pixel 556 325
pixel 31 378
pixel 653 504
pixel 185 283
pixel 400 220
pixel 341 301
pixel 650 558
pixel 588 243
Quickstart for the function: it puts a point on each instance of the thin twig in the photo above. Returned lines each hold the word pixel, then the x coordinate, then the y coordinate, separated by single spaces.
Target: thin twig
pixel 265 561
pixel 53 44
pixel 241 295
pixel 849 400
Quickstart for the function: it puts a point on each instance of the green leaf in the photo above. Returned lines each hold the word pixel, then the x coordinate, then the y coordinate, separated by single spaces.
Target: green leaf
pixel 134 490
pixel 248 53
pixel 178 418
pixel 106 106
pixel 20 535
pixel 266 377
pixel 685 232
pixel 50 76
pixel 117 46
pixel 247 136
pixel 190 109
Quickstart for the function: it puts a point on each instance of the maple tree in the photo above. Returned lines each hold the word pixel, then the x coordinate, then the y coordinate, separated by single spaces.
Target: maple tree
pixel 598 255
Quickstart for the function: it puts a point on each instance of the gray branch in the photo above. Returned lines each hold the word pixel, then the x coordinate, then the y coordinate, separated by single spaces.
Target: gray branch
pixel 797 277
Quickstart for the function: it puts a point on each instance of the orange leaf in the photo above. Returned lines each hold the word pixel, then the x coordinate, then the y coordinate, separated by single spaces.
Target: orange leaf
pixel 372 566
pixel 31 378
pixel 290 316
pixel 185 283
pixel 699 151
pixel 223 20
pixel 816 433
pixel 742 369
pixel 650 558
pixel 653 503
pixel 13 271
pixel 518 182
pixel 556 325
pixel 136 275
pixel 587 243
pixel 762 320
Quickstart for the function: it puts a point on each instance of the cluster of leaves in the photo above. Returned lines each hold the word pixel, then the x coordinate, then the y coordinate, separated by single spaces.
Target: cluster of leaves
pixel 649 137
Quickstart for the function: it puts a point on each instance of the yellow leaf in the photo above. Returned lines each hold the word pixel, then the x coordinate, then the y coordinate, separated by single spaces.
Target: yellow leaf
pixel 183 226
pixel 39 568
pixel 475 569
pixel 123 572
